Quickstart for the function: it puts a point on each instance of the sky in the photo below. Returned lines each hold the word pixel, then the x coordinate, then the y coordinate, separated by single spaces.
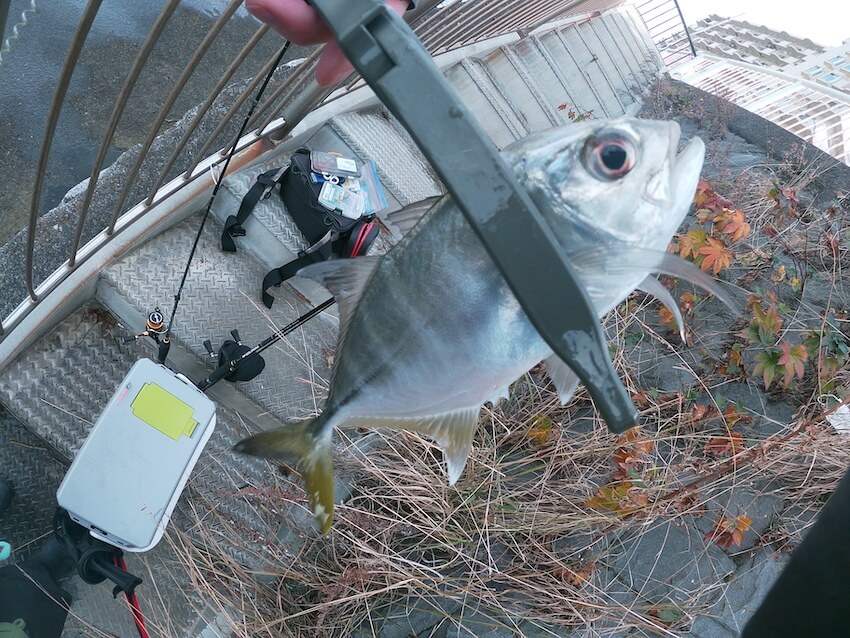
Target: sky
pixel 827 22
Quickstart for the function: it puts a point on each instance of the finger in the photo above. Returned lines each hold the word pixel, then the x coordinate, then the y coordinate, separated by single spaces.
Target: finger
pixel 333 66
pixel 294 19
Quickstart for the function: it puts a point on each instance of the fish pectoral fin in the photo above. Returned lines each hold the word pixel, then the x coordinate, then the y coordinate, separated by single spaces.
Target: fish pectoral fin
pixel 452 432
pixel 314 454
pixel 598 262
pixel 346 279
pixel 565 380
pixel 653 287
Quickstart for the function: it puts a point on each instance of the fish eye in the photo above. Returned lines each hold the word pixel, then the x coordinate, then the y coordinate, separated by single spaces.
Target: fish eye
pixel 609 156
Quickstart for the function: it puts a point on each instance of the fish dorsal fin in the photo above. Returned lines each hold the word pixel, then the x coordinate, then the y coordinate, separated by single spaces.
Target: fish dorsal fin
pixel 346 279
pixel 406 218
pixel 565 380
pixel 598 262
pixel 653 287
pixel 451 431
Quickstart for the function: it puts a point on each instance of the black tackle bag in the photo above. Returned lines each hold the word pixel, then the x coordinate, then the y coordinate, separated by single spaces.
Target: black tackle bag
pixel 327 232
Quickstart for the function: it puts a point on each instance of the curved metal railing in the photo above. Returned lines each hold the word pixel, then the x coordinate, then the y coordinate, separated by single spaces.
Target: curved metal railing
pixel 442 26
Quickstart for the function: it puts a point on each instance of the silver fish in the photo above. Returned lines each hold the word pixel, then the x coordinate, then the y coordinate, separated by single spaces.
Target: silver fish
pixel 431 331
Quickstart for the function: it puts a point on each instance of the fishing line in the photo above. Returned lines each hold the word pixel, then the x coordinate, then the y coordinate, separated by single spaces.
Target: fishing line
pixel 166 340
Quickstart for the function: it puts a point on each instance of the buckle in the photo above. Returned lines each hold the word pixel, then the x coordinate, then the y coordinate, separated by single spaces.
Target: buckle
pixel 236 231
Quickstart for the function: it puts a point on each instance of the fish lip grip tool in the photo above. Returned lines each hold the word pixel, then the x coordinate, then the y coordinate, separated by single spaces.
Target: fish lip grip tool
pixel 402 74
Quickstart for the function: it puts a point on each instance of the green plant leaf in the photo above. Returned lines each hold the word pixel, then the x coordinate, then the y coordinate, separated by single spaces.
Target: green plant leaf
pixel 767 365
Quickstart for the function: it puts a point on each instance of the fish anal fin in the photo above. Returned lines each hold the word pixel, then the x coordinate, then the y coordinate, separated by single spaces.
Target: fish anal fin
pixel 565 380
pixel 451 431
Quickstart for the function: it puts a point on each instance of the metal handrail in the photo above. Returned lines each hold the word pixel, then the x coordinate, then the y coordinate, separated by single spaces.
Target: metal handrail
pixel 442 28
pixel 117 112
pixel 71 59
pixel 237 104
pixel 169 102
pixel 202 110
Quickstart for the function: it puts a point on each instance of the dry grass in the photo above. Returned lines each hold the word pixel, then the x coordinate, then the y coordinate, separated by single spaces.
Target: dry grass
pixel 515 543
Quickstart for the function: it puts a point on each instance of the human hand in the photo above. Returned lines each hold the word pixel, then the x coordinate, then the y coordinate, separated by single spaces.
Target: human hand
pixel 299 23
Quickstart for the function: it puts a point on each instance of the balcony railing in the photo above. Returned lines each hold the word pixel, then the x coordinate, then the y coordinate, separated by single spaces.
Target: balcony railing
pixel 667 28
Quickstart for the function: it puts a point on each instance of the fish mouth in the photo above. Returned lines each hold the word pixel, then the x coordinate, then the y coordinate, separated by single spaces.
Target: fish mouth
pixel 673 184
pixel 686 168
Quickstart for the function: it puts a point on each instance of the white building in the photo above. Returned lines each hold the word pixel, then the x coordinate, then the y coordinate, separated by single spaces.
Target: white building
pixel 814 111
pixel 753 44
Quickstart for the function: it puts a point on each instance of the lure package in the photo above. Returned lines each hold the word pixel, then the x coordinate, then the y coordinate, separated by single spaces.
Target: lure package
pixel 333 164
pixel 126 479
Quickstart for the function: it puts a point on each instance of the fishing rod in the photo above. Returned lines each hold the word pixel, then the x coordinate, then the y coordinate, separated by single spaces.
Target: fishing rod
pixel 232 355
pixel 165 343
pixel 236 361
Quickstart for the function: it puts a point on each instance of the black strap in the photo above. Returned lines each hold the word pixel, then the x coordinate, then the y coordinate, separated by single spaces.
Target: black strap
pixel 290 269
pixel 355 243
pixel 262 189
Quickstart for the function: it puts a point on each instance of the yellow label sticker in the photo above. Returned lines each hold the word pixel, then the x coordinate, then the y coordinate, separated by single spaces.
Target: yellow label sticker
pixel 164 412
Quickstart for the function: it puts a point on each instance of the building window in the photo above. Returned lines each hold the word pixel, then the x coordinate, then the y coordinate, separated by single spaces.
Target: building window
pixel 814 71
pixel 829 78
pixel 838 59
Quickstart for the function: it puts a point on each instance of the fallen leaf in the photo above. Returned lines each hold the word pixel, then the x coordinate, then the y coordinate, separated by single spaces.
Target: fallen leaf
pixel 716 257
pixel 541 429
pixel 731 444
pixel 691 242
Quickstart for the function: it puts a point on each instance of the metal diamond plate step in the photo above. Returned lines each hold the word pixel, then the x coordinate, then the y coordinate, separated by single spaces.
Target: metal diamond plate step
pixel 374 134
pixel 58 387
pixel 24 456
pixel 222 293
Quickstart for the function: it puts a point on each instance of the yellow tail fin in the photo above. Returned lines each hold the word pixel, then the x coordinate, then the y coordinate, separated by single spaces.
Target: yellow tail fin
pixel 314 454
